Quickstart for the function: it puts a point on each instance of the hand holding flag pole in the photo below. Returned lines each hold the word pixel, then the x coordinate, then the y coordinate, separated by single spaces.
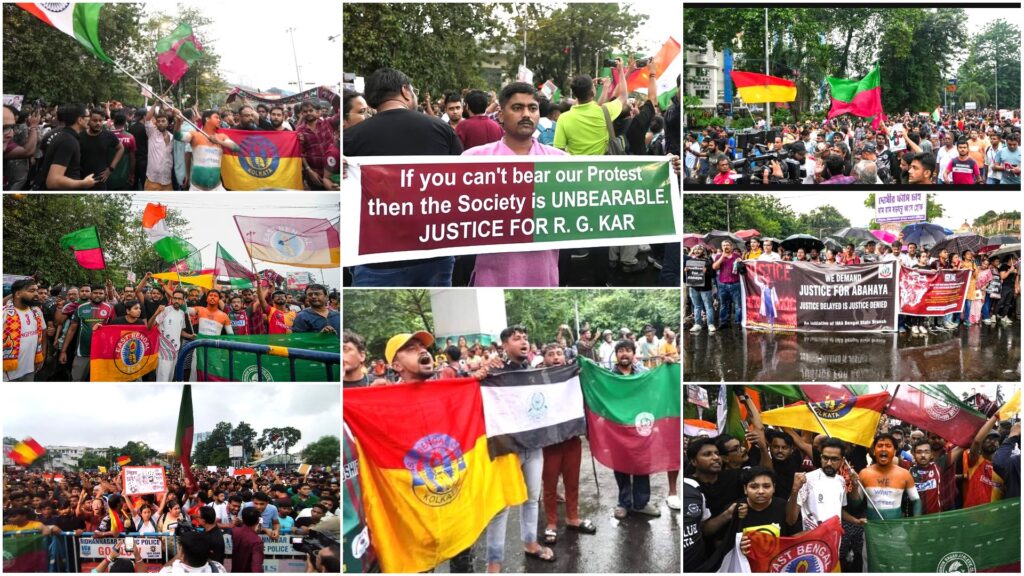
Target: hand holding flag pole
pixel 161 99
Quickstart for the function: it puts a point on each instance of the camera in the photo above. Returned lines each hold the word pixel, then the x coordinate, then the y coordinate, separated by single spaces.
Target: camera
pixel 312 544
pixel 182 528
pixel 610 63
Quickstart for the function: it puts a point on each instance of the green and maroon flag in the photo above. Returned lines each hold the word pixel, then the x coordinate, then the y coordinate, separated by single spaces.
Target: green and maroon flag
pixel 177 52
pixel 633 422
pixel 226 265
pixel 858 97
pixel 86 244
pixel 80 20
pixel 183 438
pixel 24 553
pixel 937 409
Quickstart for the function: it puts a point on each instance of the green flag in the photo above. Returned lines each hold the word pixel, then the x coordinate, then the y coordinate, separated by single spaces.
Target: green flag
pixel 183 436
pixel 982 538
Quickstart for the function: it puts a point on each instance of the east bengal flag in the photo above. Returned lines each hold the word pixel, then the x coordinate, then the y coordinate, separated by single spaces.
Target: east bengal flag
pixel 429 485
pixel 853 419
pixel 813 551
pixel 268 160
pixel 123 353
pixel 124 460
pixel 26 452
pixel 756 88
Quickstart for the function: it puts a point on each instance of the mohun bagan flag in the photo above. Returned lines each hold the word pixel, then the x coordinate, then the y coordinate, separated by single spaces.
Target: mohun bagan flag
pixel 226 265
pixel 937 409
pixel 80 20
pixel 528 409
pixel 858 97
pixel 177 52
pixel 813 551
pixel 633 422
pixel 183 436
pixel 86 244
pixel 303 242
pixel 429 486
pixel 983 538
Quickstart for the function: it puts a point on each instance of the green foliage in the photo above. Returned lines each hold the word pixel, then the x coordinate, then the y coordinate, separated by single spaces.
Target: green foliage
pixel 323 451
pixel 243 435
pixel 213 450
pixel 996 45
pixel 983 220
pixel 540 311
pixel 279 439
pixel 36 222
pixel 202 76
pixel 821 221
pixel 92 459
pixel 765 213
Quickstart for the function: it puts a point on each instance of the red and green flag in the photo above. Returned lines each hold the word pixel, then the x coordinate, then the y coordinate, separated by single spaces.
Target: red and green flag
pixel 634 423
pixel 183 437
pixel 86 244
pixel 24 553
pixel 226 265
pixel 80 20
pixel 217 365
pixel 177 52
pixel 858 97
pixel 983 538
pixel 756 88
pixel 937 409
pixel 26 452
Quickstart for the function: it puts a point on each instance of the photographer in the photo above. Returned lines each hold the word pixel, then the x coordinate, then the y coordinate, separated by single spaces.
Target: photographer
pixel 114 563
pixel 194 556
pixel 328 560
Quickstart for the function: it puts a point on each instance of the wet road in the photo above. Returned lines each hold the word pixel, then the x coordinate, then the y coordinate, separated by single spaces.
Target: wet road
pixel 636 544
pixel 979 353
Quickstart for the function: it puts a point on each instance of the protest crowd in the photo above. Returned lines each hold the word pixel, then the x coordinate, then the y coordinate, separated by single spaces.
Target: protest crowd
pixel 391 119
pixel 714 296
pixel 119 147
pixel 847 475
pixel 51 340
pixel 971 147
pixel 416 357
pixel 191 520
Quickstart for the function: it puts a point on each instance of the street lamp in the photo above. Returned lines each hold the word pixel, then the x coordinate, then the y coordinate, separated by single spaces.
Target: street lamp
pixel 295 56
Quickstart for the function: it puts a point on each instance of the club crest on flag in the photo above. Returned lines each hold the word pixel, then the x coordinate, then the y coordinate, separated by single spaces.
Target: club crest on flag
pixel 249 374
pixel 286 241
pixel 804 557
pixel 130 353
pixel 436 464
pixel 940 410
pixel 834 409
pixel 956 562
pixel 644 424
pixel 259 157
pixel 538 406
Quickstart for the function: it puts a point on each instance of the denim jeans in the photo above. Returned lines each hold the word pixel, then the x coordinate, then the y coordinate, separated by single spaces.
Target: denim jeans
pixel 432 273
pixel 532 463
pixel 986 308
pixel 702 302
pixel 729 293
pixel 634 491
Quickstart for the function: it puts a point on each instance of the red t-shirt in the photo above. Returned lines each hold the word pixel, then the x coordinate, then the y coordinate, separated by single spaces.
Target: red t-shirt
pixel 280 322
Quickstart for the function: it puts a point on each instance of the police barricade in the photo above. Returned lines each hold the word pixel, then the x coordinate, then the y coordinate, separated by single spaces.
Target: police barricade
pixel 330 360
pixel 82 553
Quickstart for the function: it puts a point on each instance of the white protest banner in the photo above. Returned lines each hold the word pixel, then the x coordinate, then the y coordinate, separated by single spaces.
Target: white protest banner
pixel 900 207
pixel 898 140
pixel 144 480
pixel 697 395
pixel 151 548
pixel 281 546
pixel 13 100
pixel 448 206
pixel 211 468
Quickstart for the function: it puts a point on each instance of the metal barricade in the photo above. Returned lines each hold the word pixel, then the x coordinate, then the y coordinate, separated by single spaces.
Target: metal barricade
pixel 328 359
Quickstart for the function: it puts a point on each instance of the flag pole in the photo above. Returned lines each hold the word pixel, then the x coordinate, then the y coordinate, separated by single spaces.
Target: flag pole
pixel 767 105
pixel 160 98
pixel 854 475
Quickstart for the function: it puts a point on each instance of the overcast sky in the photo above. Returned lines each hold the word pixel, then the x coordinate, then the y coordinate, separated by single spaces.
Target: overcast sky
pixel 101 415
pixel 255 48
pixel 211 220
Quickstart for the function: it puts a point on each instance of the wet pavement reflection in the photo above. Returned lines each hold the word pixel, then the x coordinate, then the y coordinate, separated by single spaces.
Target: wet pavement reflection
pixel 636 544
pixel 979 353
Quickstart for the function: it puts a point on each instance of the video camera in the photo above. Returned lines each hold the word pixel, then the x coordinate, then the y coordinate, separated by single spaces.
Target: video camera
pixel 312 544
pixel 183 527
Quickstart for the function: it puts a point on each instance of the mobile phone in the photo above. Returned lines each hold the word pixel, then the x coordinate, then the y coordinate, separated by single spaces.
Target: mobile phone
pixel 129 544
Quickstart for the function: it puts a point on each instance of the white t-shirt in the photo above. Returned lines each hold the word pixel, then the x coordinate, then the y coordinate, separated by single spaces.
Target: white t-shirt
pixel 821 498
pixel 178 567
pixel 30 331
pixel 942 158
pixel 171 322
pixel 769 257
pixel 606 353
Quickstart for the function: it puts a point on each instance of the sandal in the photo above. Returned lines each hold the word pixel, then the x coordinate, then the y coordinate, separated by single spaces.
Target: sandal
pixel 543 553
pixel 550 537
pixel 585 526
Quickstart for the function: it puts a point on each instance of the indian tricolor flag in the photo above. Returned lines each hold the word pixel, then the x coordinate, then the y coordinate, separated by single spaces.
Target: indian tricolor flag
pixel 86 244
pixel 429 486
pixel 695 427
pixel 633 422
pixel 25 452
pixel 853 418
pixel 166 243
pixel 305 242
pixel 756 88
pixel 80 20
pixel 528 409
pixel 668 64
pixel 267 160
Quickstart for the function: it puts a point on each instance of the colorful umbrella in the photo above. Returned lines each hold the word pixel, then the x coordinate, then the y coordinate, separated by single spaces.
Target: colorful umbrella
pixel 746 234
pixel 690 240
pixel 885 236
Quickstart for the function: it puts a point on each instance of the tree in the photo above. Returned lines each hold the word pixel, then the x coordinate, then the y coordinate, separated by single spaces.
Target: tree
pixel 972 91
pixel 323 451
pixel 139 452
pixel 90 460
pixel 243 435
pixel 213 450
pixel 987 51
pixel 822 220
pixel 278 438
pixel 202 80
pixel 440 47
pixel 408 311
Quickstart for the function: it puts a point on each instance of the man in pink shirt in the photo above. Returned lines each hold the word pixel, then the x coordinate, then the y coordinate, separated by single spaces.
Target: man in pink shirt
pixel 520 112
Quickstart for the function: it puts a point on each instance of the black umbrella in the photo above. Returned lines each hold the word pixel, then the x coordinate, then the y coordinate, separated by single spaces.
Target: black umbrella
pixel 716 237
pixel 853 233
pixel 805 241
pixel 924 234
pixel 1000 239
pixel 1006 250
pixel 831 244
pixel 957 243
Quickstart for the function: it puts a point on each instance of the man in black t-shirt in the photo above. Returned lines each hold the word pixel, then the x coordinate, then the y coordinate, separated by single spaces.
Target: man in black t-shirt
pixel 786 460
pixel 1007 298
pixel 138 130
pixel 397 129
pixel 60 168
pixel 101 151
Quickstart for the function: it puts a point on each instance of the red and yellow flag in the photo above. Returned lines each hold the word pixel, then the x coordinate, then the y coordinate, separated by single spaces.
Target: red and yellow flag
pixel 854 419
pixel 429 485
pixel 123 460
pixel 26 452
pixel 756 88
pixel 123 353
pixel 267 160
pixel 814 551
